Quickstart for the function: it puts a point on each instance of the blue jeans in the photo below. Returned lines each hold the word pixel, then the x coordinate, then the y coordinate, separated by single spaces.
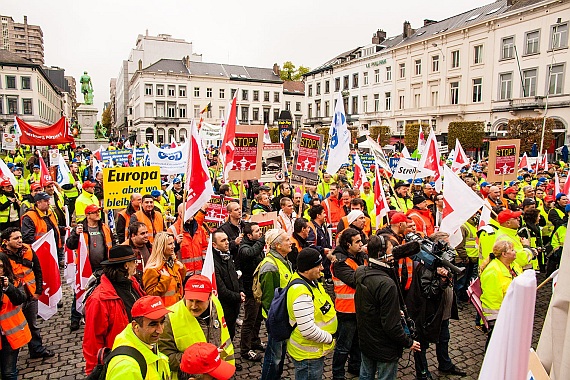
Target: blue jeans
pixel 8 361
pixel 441 351
pixel 309 369
pixel 385 370
pixel 273 359
pixel 346 348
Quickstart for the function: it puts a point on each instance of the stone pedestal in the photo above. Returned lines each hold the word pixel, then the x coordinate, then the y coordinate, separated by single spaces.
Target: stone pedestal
pixel 87 118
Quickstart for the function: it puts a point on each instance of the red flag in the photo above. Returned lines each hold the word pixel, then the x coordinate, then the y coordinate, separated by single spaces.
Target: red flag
pixel 544 163
pixel 82 274
pixel 566 189
pixel 69 256
pixel 45 177
pixel 46 250
pixel 460 159
pixel 208 267
pixel 198 184
pixel 228 144
pixel 524 162
pixel 359 173
pixel 380 201
pixel 430 160
pixel 55 134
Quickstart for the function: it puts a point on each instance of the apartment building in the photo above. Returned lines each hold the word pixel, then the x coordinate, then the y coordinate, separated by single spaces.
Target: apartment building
pixel 23 39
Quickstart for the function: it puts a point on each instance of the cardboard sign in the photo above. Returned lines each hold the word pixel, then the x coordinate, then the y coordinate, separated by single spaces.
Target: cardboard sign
pixel 119 183
pixel 9 141
pixel 247 156
pixel 365 159
pixel 266 221
pixel 272 163
pixel 307 158
pixel 217 212
pixel 53 157
pixel 503 160
pixel 286 134
pixel 120 156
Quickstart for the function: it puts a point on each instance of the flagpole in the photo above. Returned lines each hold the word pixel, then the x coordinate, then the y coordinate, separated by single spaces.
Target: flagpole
pixel 241 174
pixel 301 203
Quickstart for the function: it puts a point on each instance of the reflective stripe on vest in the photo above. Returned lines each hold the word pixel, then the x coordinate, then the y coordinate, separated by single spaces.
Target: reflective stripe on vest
pixel 13 324
pixel 41 225
pixel 344 301
pixel 471 247
pixel 23 273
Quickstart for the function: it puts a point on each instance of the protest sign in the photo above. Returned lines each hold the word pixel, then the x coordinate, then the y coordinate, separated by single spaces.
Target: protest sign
pixel 272 163
pixel 366 160
pixel 266 221
pixel 247 156
pixel 286 132
pixel 119 183
pixel 408 169
pixel 394 161
pixel 170 160
pixel 120 156
pixel 503 160
pixel 53 157
pixel 9 141
pixel 306 160
pixel 217 212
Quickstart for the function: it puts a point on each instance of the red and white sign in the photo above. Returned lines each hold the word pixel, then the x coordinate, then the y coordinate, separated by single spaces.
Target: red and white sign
pixel 46 251
pixel 307 158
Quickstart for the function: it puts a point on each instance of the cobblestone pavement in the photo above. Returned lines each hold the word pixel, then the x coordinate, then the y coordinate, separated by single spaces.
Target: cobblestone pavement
pixel 465 349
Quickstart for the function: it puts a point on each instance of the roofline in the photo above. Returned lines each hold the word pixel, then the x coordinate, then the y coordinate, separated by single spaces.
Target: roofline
pixel 256 80
pixel 40 70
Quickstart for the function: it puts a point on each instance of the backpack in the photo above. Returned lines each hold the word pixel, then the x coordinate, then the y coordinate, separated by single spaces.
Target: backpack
pixel 105 355
pixel 256 287
pixel 277 323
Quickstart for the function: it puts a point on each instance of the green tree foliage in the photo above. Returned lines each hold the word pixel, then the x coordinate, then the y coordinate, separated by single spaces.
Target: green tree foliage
pixel 291 72
pixel 106 118
pixel 529 131
pixel 381 131
pixel 412 133
pixel 469 133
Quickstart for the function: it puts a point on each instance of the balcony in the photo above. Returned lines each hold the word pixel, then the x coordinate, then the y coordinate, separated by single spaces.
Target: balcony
pixel 519 104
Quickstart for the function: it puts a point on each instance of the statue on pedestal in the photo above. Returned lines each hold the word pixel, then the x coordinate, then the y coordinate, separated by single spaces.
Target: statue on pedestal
pixel 86 88
pixel 100 131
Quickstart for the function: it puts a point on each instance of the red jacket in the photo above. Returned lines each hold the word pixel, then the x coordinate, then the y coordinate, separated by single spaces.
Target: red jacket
pixel 423 220
pixel 105 318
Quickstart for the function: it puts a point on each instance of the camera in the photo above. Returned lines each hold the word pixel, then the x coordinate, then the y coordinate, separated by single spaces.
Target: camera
pixel 434 255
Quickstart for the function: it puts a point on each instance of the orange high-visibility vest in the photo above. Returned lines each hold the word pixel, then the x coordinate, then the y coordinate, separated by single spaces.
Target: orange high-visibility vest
pixel 154 226
pixel 23 273
pixel 13 324
pixel 192 248
pixel 41 225
pixel 344 301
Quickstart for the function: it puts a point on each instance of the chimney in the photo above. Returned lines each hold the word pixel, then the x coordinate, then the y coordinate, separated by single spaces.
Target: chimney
pixel 427 21
pixel 378 37
pixel 25 19
pixel 276 69
pixel 511 2
pixel 408 31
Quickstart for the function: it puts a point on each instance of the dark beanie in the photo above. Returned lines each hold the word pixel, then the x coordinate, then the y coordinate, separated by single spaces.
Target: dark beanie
pixel 418 199
pixel 308 259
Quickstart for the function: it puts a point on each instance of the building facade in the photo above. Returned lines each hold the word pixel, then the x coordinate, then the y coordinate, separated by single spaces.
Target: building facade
pixel 25 40
pixel 501 61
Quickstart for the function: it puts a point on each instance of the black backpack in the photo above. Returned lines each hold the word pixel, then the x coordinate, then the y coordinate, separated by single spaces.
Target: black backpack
pixel 277 322
pixel 105 355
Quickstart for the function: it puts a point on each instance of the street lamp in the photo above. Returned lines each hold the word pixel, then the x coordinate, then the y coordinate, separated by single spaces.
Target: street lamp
pixel 438 48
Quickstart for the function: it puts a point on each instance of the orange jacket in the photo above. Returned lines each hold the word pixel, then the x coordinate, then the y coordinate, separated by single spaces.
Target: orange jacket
pixel 165 282
pixel 333 209
pixel 423 220
pixel 13 324
pixel 23 273
pixel 154 226
pixel 344 301
pixel 192 248
pixel 41 225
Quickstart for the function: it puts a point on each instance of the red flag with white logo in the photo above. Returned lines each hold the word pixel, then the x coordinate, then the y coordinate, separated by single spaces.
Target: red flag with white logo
pixel 46 251
pixel 524 162
pixel 45 177
pixel 228 144
pixel 69 257
pixel 83 273
pixel 208 267
pixel 359 173
pixel 544 163
pixel 380 202
pixel 460 159
pixel 430 160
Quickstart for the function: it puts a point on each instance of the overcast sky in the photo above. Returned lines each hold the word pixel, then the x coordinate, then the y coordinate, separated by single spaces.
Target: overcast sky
pixel 97 35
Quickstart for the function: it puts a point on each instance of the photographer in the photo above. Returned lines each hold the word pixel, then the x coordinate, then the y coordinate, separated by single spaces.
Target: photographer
pixel 379 320
pixel 431 303
pixel 14 330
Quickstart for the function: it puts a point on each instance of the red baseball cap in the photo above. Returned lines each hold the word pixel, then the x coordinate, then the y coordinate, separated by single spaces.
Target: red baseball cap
pixel 198 287
pixel 549 198
pixel 507 214
pixel 204 358
pixel 399 217
pixel 35 186
pixel 87 184
pixel 92 208
pixel 6 182
pixel 150 307
pixel 510 190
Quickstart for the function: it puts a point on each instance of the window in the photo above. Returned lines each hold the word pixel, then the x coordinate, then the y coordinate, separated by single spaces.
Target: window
pixel 506 86
pixel 560 36
pixel 477 90
pixel 256 112
pixel 148 110
pixel 232 93
pixel 317 108
pixel 196 92
pixel 376 102
pixel 417 101
pixel 27 106
pixel 336 84
pixel 159 109
pixel 171 109
pixel 244 94
pixel 529 82
pixel 327 87
pixel 401 103
pixel 310 90
pixel 318 89
pixel 345 82
pixel 377 76
pixel 265 96
pixel 365 77
pixel 159 90
pixel 418 67
pixel 12 105
pixel 327 108
pixel 196 112
pixel 26 84
pixel 148 89
pixel 388 101
pixel 276 97
pixel 364 103
pixel 508 48
pixel 454 92
pixel 288 106
pixel 256 98
pixel 10 81
pixel 355 80
pixel 434 97
pixel 208 92
pixel 171 91
pixel 556 80
pixel 182 111
pixel 275 115
pixel 435 63
pixel 222 112
pixel 402 70
pixel 455 59
pixel 389 73
pixel 478 54
pixel 222 93
pixel 532 40
pixel 355 105
pixel 244 114
pixel 310 111
pixel 298 107
pixel 182 91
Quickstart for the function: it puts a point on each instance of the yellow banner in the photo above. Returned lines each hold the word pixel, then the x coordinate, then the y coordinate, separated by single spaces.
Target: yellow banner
pixel 119 183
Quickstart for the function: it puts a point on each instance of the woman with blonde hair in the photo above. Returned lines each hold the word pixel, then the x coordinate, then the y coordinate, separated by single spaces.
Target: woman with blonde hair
pixel 164 273
pixel 497 272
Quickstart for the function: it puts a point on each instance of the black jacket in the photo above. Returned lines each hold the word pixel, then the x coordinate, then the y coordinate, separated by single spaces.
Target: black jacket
pixel 250 254
pixel 233 232
pixel 228 284
pixel 121 224
pixel 345 273
pixel 380 332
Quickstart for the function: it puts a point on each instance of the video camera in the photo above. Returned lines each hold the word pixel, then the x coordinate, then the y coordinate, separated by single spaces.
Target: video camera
pixel 434 255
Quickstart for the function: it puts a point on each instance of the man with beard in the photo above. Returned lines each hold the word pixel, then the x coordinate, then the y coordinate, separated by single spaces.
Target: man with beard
pixel 299 239
pixel 176 194
pixel 153 220
pixel 138 240
pixel 401 201
pixel 124 217
pixel 233 228
pixel 421 216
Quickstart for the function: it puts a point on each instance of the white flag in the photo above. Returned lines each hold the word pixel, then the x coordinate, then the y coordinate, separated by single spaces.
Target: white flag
pixel 408 169
pixel 430 160
pixel 7 173
pixel 378 153
pixel 557 188
pixel 266 136
pixel 46 250
pixel 63 171
pixel 405 152
pixel 359 174
pixel 380 202
pixel 339 138
pixel 460 159
pixel 208 267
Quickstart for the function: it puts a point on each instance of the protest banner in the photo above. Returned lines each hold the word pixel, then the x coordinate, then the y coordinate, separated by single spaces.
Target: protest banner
pixel 266 221
pixel 394 161
pixel 120 156
pixel 272 163
pixel 119 183
pixel 55 134
pixel 247 156
pixel 217 212
pixel 9 141
pixel 170 160
pixel 306 160
pixel 503 160
pixel 53 157
pixel 366 159
pixel 285 123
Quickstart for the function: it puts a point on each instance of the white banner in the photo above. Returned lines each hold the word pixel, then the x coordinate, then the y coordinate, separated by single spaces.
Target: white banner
pixel 171 160
pixel 53 157
pixel 9 141
pixel 407 169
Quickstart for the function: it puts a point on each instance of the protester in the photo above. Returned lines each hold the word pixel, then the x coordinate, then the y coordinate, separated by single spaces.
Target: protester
pixel 333 206
pixel 319 237
pixel 204 359
pixel 191 240
pixel 85 199
pixel 233 227
pixel 39 220
pixel 299 240
pixel 9 206
pixel 29 200
pixel 124 217
pixel 154 221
